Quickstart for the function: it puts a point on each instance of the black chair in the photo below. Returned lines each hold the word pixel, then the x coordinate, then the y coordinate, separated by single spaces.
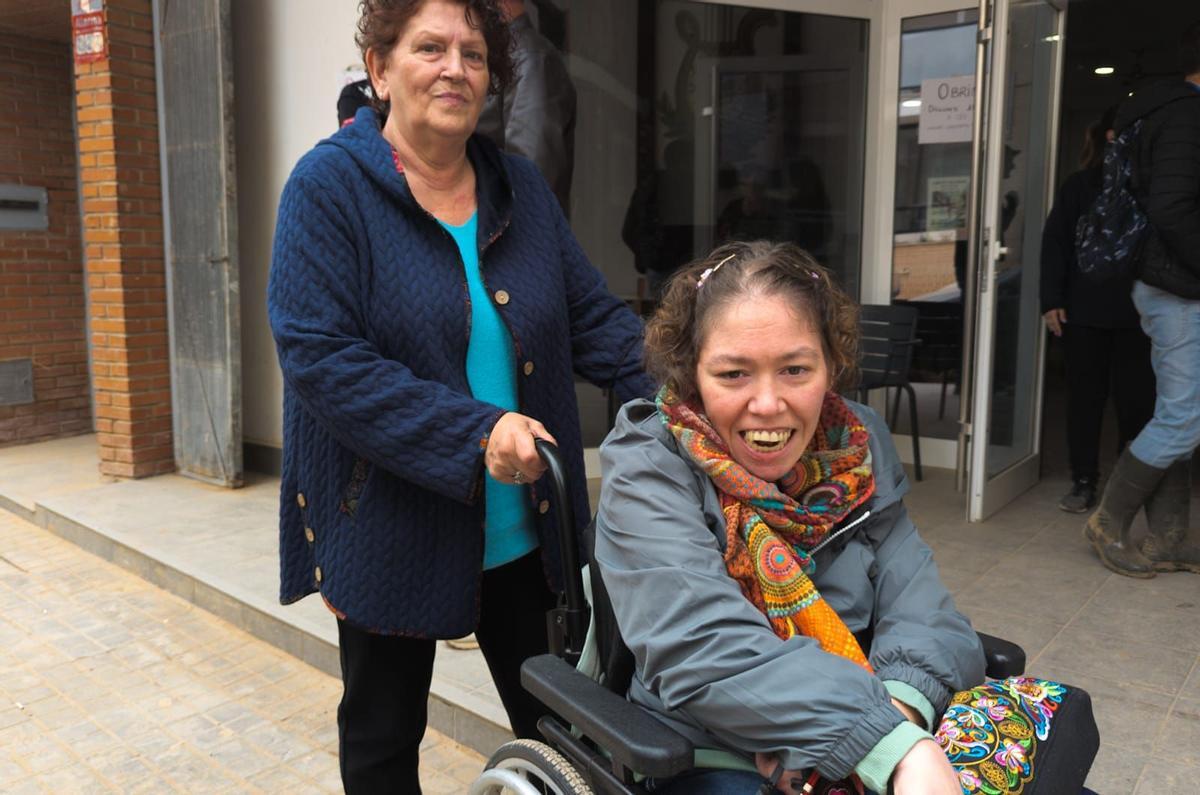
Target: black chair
pixel 939 356
pixel 888 337
pixel 596 740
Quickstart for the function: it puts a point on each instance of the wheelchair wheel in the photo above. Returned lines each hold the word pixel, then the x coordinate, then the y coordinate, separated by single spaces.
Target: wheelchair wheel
pixel 529 767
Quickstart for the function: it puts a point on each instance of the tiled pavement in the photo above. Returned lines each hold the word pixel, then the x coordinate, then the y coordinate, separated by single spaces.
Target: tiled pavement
pixel 110 684
pixel 1025 574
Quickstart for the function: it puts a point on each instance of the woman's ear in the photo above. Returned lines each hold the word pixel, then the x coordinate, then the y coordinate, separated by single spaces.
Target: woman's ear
pixel 376 67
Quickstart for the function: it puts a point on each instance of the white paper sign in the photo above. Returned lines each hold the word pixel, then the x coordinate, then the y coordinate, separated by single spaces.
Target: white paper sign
pixel 947 110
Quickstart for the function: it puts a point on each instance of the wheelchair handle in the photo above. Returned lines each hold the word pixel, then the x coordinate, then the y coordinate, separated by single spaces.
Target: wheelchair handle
pixel 567 627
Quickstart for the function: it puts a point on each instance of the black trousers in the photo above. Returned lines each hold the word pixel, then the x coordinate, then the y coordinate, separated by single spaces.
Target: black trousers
pixel 1100 361
pixel 385 679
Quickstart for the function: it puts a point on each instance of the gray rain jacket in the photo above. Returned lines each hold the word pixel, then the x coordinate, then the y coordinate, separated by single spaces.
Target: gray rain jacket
pixel 708 663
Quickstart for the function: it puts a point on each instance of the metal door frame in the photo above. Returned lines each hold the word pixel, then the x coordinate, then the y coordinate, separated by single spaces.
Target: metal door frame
pixel 987 495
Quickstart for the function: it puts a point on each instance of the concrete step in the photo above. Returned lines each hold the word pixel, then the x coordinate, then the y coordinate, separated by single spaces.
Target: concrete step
pixel 217 548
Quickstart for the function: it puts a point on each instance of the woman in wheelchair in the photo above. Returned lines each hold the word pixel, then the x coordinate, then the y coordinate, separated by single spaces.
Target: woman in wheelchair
pixel 780 606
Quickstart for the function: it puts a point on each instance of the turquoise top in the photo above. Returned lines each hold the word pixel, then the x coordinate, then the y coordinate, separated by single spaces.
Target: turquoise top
pixel 492 374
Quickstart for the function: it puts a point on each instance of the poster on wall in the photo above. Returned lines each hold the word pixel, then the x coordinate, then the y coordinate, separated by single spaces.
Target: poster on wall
pixel 87 30
pixel 947 110
pixel 946 203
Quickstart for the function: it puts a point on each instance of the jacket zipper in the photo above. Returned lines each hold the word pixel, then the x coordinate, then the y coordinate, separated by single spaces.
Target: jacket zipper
pixel 840 530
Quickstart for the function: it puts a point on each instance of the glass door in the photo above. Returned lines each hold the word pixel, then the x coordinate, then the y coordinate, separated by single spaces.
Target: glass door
pixel 934 103
pixel 1020 55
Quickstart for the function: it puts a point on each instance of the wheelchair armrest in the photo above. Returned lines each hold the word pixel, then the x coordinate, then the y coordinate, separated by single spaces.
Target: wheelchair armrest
pixel 634 737
pixel 1004 658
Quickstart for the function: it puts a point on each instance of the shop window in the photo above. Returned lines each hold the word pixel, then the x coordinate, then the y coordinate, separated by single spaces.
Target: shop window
pixel 701 122
pixel 698 123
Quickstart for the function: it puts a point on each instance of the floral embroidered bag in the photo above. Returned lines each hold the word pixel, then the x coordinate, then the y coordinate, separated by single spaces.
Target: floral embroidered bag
pixel 1020 735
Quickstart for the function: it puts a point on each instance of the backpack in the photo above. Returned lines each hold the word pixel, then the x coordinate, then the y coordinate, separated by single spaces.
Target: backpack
pixel 1109 237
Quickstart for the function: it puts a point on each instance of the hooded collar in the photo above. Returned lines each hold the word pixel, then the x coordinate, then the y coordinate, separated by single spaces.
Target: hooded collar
pixel 364 142
pixel 1148 99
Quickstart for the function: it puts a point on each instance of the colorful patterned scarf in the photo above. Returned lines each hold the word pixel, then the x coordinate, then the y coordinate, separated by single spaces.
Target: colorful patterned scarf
pixel 771 528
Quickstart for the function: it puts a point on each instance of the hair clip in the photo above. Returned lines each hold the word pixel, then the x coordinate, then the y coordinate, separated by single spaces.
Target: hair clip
pixel 710 271
pixel 816 276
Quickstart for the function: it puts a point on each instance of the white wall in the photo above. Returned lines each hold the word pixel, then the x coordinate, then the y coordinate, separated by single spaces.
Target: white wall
pixel 288 59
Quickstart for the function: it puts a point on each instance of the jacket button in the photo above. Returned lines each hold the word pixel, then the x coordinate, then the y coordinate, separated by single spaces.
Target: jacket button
pixel 308 533
pixel 502 297
pixel 543 506
pixel 528 368
pixel 317 574
pixel 300 500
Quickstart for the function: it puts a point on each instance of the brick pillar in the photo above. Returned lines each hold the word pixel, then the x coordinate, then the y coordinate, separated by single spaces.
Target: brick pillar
pixel 116 111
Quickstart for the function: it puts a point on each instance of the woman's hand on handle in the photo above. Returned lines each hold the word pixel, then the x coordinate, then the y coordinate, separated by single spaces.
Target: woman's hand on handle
pixel 925 770
pixel 511 456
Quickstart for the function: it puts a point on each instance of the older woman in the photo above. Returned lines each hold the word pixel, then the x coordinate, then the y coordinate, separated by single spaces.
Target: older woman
pixel 778 601
pixel 430 306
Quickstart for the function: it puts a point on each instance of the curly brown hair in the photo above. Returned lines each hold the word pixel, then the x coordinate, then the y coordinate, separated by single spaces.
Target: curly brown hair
pixel 381 24
pixel 755 268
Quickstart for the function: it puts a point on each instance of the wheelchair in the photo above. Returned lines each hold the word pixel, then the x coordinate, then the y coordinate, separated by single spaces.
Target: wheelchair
pixel 597 742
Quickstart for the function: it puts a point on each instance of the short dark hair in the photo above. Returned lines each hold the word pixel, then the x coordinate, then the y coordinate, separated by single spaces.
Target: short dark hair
pixel 381 24
pixel 761 267
pixel 1189 50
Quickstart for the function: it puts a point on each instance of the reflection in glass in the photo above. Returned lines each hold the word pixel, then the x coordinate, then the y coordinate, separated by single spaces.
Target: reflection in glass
pixel 933 183
pixel 751 128
pixel 1031 54
pixel 743 123
pixel 698 123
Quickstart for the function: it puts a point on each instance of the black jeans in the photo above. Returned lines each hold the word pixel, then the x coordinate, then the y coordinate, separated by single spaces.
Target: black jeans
pixel 1100 360
pixel 385 678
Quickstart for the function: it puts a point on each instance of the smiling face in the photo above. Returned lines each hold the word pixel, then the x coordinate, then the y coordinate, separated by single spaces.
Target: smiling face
pixel 436 76
pixel 762 377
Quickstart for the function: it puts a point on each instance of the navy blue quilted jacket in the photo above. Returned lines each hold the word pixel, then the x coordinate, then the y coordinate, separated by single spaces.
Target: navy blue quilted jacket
pixel 381 507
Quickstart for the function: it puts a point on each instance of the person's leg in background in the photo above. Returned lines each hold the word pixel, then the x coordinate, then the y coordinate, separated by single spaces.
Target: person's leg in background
pixel 1088 356
pixel 1173 325
pixel 512 628
pixel 384 709
pixel 1132 383
pixel 1172 435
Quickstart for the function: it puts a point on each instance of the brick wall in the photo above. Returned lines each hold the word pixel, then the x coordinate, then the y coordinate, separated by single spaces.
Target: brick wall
pixel 123 238
pixel 41 276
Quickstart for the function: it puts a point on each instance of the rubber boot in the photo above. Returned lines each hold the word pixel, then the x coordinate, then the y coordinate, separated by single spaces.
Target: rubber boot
pixel 1168 513
pixel 1108 529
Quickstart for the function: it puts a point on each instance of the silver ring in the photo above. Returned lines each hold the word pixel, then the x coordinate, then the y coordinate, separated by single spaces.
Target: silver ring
pixel 518 477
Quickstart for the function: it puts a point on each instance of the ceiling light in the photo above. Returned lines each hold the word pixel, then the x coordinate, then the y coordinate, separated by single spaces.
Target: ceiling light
pixel 911 103
pixel 1052 37
pixel 1104 70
